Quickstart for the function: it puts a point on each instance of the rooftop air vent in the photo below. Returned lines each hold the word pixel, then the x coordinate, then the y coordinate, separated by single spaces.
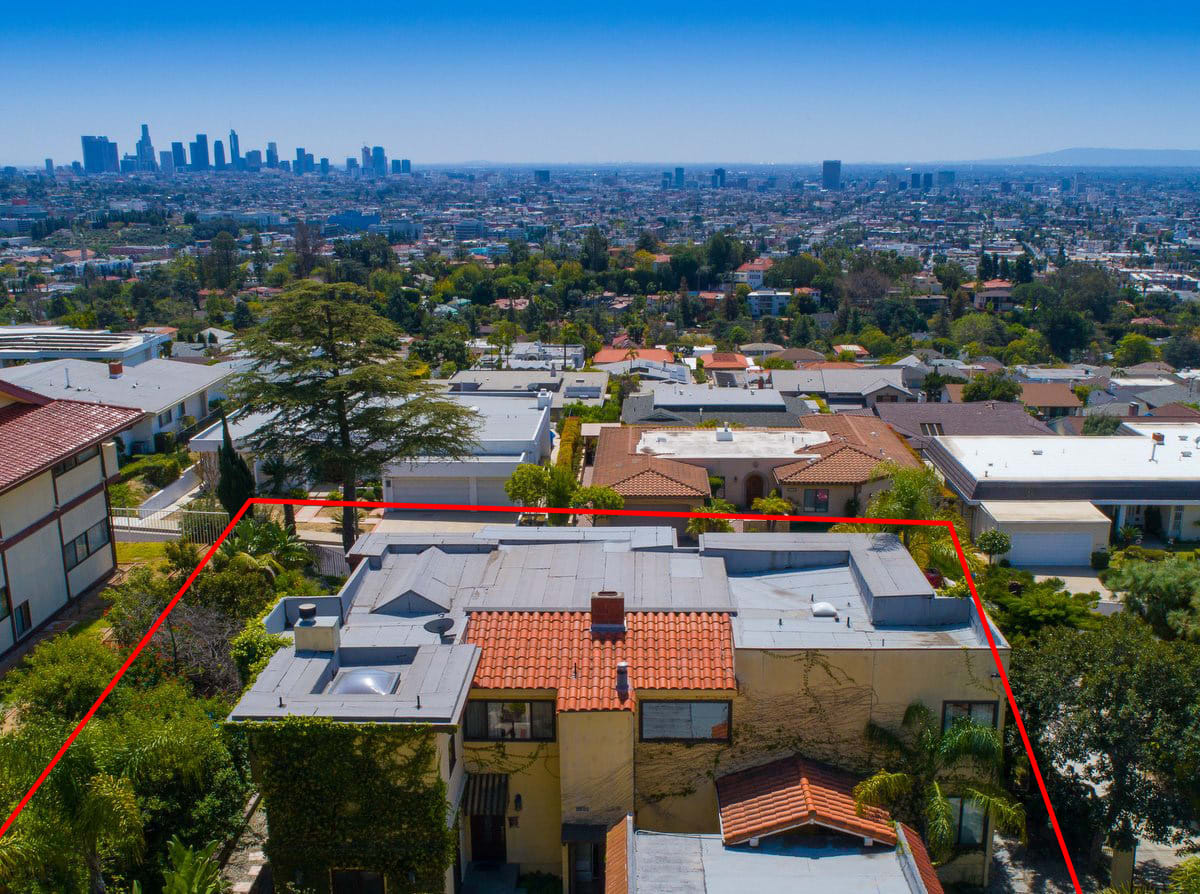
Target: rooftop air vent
pixel 824 610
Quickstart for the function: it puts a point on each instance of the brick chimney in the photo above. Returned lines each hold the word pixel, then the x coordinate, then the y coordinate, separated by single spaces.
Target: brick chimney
pixel 1133 408
pixel 608 612
pixel 116 369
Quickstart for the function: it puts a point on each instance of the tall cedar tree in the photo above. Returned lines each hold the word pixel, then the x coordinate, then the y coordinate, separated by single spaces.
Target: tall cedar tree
pixel 326 368
pixel 236 484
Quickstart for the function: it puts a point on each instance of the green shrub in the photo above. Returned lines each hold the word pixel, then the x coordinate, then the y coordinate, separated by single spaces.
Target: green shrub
pixel 122 496
pixel 570 447
pixel 252 649
pixel 164 442
pixel 1100 559
pixel 157 469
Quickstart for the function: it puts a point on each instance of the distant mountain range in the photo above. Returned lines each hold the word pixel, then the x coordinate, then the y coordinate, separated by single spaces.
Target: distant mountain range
pixel 1108 158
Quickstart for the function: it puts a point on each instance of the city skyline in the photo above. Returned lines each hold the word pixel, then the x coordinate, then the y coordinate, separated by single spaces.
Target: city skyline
pixel 638 86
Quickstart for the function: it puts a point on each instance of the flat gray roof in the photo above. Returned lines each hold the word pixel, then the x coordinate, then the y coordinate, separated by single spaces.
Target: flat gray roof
pixel 152 387
pixel 823 864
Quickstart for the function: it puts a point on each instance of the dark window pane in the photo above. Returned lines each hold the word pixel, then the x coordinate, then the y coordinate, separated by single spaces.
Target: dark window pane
pixel 543 720
pixel 475 720
pixel 971 832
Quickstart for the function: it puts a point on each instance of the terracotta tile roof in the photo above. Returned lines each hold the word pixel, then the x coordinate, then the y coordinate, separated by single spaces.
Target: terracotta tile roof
pixel 557 650
pixel 616 858
pixel 920 855
pixel 1048 394
pixel 795 792
pixel 35 436
pixel 726 360
pixel 844 464
pixel 634 475
pixel 860 443
pixel 616 355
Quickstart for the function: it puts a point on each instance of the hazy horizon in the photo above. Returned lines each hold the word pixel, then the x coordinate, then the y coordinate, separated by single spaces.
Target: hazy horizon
pixel 529 83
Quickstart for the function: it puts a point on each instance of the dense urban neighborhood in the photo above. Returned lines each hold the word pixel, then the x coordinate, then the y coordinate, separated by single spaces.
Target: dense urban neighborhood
pixel 684 400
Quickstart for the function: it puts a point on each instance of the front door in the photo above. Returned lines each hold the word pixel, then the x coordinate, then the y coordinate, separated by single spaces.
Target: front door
pixel 754 488
pixel 487 839
pixel 587 867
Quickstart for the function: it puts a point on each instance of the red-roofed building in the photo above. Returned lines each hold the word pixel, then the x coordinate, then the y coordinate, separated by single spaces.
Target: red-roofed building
pixel 726 360
pixel 616 355
pixel 56 460
pixel 753 272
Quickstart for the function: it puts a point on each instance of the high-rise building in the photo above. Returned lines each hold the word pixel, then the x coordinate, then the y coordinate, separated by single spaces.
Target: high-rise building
pixel 324 166
pixel 915 180
pixel 927 180
pixel 218 155
pixel 179 156
pixel 379 161
pixel 351 164
pixel 235 151
pixel 541 175
pixel 272 155
pixel 718 178
pixel 666 180
pixel 679 178
pixel 254 160
pixel 397 166
pixel 166 162
pixel 945 179
pixel 99 155
pixel 366 161
pixel 405 166
pixel 50 166
pixel 298 166
pixel 831 174
pixel 199 153
pixel 145 151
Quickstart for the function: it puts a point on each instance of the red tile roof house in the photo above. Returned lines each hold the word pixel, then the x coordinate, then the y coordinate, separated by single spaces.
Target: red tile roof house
pixel 56 459
pixel 726 360
pixel 606 707
pixel 824 466
pixel 752 272
pixel 616 355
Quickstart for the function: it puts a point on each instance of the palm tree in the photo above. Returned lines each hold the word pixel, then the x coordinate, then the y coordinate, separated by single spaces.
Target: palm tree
pixel 916 494
pixel 964 760
pixel 280 474
pixel 261 546
pixel 772 505
pixel 698 526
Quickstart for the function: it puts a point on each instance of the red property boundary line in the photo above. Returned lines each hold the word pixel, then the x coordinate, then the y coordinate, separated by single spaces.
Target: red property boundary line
pixel 510 510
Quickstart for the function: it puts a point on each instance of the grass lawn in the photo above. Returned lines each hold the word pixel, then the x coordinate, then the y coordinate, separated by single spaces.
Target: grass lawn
pixel 96 627
pixel 140 552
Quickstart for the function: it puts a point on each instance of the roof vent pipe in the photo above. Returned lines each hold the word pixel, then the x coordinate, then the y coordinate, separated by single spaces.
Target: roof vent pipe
pixel 623 678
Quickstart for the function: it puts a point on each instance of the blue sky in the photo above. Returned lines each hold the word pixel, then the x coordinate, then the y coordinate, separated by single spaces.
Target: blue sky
pixel 600 82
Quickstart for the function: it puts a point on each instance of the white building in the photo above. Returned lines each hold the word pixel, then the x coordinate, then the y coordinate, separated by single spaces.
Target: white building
pixel 56 458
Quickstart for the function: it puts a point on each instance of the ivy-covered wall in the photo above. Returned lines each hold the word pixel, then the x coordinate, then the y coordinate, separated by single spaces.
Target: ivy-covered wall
pixel 352 796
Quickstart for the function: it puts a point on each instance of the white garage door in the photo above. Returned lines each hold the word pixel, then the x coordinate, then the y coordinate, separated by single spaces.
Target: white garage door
pixel 429 490
pixel 490 492
pixel 1051 548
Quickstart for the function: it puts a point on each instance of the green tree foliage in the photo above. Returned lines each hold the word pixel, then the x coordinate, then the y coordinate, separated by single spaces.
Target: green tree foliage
pixel 594 250
pixel 236 484
pixel 996 385
pixel 1133 349
pixel 773 504
pixel 1023 607
pixel 1101 424
pixel 1166 594
pixel 697 526
pixel 1111 716
pixel 993 542
pixel 978 328
pixel 930 764
pixel 192 870
pixel 325 367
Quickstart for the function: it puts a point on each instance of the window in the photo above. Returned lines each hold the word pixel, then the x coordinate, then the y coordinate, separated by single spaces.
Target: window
pixel 490 721
pixel 685 721
pixel 179 412
pixel 86 544
pixel 982 713
pixel 816 499
pixel 77 460
pixel 356 881
pixel 969 822
pixel 453 754
pixel 5 605
pixel 931 428
pixel 24 621
pixel 164 419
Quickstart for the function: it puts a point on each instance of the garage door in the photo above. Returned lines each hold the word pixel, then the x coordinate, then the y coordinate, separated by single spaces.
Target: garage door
pixel 1051 548
pixel 490 492
pixel 429 490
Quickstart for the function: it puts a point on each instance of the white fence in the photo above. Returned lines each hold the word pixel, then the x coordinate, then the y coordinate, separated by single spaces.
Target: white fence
pixel 168 524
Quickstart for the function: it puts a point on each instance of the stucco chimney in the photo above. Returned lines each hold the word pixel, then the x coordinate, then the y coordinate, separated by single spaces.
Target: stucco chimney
pixel 315 634
pixel 115 369
pixel 1133 408
pixel 543 399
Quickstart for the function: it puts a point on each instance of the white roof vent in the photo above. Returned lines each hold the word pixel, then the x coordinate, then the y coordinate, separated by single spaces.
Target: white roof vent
pixel 824 610
pixel 724 434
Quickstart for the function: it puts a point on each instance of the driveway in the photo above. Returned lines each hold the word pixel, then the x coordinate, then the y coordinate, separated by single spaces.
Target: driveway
pixel 422 521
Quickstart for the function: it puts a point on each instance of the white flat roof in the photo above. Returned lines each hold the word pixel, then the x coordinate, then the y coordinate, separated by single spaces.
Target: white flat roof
pixel 1055 458
pixel 1049 511
pixel 741 443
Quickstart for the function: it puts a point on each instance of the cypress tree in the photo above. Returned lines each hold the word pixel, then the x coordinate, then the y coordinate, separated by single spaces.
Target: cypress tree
pixel 236 484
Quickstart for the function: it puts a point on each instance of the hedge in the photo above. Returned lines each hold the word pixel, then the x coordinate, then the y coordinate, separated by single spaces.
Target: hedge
pixel 159 469
pixel 570 445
